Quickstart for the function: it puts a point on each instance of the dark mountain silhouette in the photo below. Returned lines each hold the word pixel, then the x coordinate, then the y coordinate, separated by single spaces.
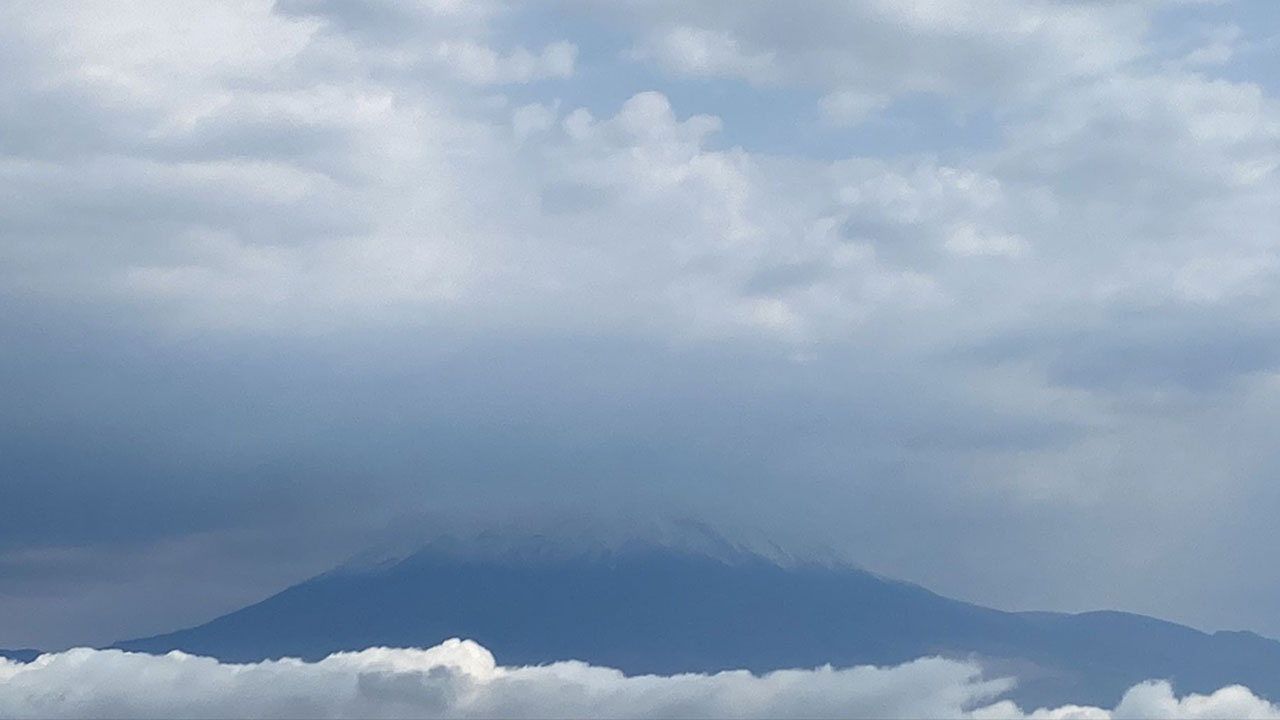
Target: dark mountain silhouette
pixel 653 609
pixel 24 655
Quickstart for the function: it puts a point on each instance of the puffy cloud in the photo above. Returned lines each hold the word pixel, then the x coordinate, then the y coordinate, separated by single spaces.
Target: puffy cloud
pixel 331 191
pixel 461 679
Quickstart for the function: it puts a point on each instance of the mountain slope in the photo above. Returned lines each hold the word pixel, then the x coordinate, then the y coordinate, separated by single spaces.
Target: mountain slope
pixel 24 655
pixel 657 610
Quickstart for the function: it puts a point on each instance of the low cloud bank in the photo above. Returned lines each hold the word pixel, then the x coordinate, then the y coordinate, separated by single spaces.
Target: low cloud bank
pixel 460 678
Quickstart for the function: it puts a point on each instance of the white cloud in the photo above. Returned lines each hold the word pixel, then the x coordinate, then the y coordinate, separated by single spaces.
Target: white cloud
pixel 988 48
pixel 484 66
pixel 533 118
pixel 349 187
pixel 694 51
pixel 462 679
pixel 844 108
pixel 966 240
pixel 1222 43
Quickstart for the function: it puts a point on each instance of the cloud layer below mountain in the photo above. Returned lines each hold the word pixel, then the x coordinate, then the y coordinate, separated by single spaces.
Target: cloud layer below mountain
pixel 460 678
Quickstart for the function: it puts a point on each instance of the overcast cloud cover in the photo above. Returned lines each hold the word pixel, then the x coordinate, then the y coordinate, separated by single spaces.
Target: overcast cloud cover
pixel 980 295
pixel 460 678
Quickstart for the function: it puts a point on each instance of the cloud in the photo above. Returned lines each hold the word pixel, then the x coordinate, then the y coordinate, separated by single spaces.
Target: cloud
pixel 483 66
pixel 844 108
pixel 262 263
pixel 459 678
pixel 991 48
pixel 706 53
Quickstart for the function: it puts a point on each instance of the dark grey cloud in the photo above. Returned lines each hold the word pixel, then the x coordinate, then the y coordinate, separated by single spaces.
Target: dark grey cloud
pixel 276 278
pixel 1199 351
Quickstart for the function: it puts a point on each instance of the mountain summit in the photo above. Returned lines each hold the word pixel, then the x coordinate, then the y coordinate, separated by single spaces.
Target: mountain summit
pixel 648 608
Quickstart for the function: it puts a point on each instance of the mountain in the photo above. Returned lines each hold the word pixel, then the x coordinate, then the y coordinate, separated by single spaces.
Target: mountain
pixel 24 655
pixel 654 609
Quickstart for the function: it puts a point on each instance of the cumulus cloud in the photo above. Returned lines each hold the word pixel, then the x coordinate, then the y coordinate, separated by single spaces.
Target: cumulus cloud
pixel 460 678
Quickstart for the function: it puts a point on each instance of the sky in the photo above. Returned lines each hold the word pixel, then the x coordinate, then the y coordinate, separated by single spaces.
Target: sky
pixel 980 295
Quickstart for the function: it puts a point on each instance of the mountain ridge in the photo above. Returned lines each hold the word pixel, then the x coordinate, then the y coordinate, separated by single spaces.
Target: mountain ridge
pixel 22 655
pixel 646 608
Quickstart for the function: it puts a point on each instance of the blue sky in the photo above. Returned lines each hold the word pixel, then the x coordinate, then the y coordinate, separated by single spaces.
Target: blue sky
pixel 980 295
